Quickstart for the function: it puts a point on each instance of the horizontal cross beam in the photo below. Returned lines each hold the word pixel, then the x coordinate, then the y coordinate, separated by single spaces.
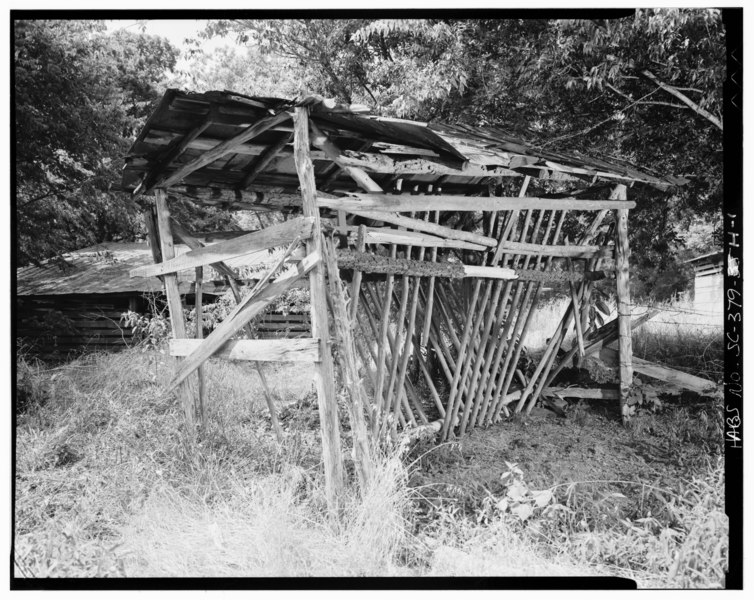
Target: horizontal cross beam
pixel 271 237
pixel 408 203
pixel 294 350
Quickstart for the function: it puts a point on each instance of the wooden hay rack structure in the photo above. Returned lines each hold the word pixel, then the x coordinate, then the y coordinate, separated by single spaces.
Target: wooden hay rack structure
pixel 443 262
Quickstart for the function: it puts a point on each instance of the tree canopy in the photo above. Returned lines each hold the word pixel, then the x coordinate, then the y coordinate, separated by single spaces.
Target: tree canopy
pixel 646 88
pixel 81 96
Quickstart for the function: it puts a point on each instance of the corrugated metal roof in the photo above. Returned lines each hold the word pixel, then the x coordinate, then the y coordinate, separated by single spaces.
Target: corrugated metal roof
pixel 104 269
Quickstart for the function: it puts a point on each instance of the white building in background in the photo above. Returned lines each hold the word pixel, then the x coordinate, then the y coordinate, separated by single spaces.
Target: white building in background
pixel 708 282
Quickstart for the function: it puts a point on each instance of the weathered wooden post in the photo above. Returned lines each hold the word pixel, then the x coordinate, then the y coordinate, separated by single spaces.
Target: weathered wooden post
pixel 622 253
pixel 324 374
pixel 175 306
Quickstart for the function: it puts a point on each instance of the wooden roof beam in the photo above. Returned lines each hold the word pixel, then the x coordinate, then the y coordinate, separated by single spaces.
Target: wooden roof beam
pixel 151 179
pixel 224 148
pixel 264 160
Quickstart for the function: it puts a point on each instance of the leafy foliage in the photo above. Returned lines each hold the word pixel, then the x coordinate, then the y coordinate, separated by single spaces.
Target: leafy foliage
pixel 647 89
pixel 80 97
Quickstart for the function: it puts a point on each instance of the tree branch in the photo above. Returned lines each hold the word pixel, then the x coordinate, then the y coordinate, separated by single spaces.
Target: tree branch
pixel 685 99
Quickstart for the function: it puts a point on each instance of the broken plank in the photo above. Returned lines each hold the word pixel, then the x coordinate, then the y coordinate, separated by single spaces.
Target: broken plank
pixel 672 376
pixel 586 393
pixel 271 237
pixel 296 350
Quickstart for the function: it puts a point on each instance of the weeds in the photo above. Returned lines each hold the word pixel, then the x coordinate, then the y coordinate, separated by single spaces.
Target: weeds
pixel 105 487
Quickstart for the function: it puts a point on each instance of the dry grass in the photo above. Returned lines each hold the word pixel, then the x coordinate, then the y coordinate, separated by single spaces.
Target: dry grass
pixel 271 526
pixel 106 487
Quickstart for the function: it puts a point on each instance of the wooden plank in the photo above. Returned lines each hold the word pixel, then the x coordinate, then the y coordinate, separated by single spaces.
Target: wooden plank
pixel 585 393
pixel 261 163
pixel 421 203
pixel 153 237
pixel 320 140
pixel 257 197
pixel 387 235
pixel 426 226
pixel 194 244
pixel 324 376
pixel 622 253
pixel 251 306
pixel 373 263
pixel 216 236
pixel 223 148
pixel 667 374
pixel 175 306
pixel 599 338
pixel 154 173
pixel 559 250
pixel 271 237
pixel 306 350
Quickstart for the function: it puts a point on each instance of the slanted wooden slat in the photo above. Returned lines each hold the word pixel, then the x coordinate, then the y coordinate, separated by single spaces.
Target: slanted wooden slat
pixel 242 314
pixel 156 171
pixel 407 203
pixel 264 160
pixel 305 350
pixel 387 235
pixel 428 227
pixel 224 148
pixel 271 237
pixel 194 244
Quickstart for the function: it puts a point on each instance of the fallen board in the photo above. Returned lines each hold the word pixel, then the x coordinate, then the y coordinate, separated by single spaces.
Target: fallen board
pixel 297 350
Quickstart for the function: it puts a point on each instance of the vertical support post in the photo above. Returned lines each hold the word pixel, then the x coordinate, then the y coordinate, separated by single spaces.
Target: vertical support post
pixel 324 374
pixel 202 406
pixel 175 306
pixel 622 253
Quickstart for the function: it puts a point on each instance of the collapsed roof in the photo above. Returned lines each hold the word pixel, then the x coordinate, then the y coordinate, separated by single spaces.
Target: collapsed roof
pixel 191 142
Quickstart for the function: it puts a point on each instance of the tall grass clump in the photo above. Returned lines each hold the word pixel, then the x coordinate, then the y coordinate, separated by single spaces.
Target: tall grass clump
pixel 106 486
pixel 683 545
pixel 274 526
